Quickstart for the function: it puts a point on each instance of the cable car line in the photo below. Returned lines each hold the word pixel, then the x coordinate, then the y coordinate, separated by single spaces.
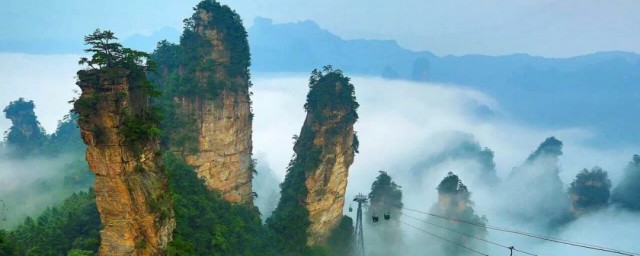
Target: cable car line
pixel 442 238
pixel 467 235
pixel 541 237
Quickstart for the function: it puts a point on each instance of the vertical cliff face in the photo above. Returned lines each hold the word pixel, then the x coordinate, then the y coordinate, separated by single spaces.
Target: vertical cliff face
pixel 212 89
pixel 130 185
pixel 316 180
pixel 326 184
pixel 331 114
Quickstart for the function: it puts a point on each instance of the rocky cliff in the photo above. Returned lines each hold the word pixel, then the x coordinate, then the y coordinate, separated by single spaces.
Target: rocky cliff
pixel 25 135
pixel 212 89
pixel 123 151
pixel 316 181
pixel 454 201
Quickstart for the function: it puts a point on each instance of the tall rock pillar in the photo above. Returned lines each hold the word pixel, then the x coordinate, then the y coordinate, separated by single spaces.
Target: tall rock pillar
pixel 130 186
pixel 212 88
pixel 316 180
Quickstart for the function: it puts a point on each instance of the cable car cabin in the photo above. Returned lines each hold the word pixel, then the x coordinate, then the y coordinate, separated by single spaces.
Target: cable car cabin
pixel 387 215
pixel 374 218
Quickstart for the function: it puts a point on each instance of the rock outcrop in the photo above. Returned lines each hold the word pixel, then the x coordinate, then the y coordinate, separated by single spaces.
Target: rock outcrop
pixel 540 174
pixel 25 135
pixel 454 201
pixel 589 191
pixel 323 153
pixel 213 90
pixel 130 185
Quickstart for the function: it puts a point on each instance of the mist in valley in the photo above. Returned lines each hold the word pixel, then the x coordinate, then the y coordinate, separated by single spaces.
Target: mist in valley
pixel 418 132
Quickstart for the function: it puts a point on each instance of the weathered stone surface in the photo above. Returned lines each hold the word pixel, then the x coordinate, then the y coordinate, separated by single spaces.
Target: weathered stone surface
pixel 332 134
pixel 327 185
pixel 131 188
pixel 223 155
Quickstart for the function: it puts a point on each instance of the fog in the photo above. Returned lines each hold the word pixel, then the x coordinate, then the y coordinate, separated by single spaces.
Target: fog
pixel 403 123
pixel 30 185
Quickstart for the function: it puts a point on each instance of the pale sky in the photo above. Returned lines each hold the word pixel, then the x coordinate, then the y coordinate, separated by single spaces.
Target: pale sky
pixel 548 28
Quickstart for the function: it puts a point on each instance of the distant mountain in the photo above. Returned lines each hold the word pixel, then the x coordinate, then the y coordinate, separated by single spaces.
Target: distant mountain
pixel 595 91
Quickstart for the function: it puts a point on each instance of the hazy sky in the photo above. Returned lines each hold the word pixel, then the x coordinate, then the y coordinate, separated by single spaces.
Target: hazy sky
pixel 538 27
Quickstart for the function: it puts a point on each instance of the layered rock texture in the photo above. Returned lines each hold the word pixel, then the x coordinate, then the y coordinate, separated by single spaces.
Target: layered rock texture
pixel 130 185
pixel 317 177
pixel 207 79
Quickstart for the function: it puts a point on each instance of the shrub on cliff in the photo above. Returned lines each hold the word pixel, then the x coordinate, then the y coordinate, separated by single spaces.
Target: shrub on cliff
pixel 331 100
pixel 209 225
pixel 110 60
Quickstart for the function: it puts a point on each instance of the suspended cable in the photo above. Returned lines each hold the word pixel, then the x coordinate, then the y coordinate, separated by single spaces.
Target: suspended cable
pixel 467 235
pixel 541 237
pixel 442 238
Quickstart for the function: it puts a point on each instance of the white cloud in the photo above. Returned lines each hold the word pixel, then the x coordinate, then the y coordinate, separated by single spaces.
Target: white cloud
pixel 398 117
pixel 398 121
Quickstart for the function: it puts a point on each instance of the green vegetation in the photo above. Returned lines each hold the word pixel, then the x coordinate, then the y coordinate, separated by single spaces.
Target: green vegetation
pixel 385 193
pixel 66 138
pixel 25 136
pixel 341 240
pixel 111 61
pixel 626 193
pixel 74 225
pixel 590 189
pixel 108 53
pixel 209 225
pixel 199 69
pixel 454 201
pixel 329 91
pixel 540 171
pixel 385 197
pixel 331 99
pixel 549 147
pixel 56 163
pixel 6 247
pixel 290 219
